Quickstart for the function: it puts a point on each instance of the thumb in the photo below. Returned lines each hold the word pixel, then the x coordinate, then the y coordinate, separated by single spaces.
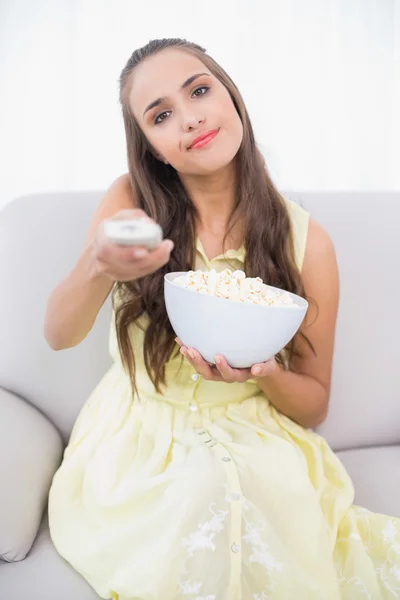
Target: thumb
pixel 264 369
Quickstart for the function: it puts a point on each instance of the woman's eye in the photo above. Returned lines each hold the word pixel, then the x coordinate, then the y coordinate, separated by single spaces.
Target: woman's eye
pixel 200 91
pixel 161 117
pixel 203 90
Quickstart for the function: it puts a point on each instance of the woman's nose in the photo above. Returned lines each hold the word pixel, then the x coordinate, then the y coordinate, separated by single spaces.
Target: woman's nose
pixel 192 122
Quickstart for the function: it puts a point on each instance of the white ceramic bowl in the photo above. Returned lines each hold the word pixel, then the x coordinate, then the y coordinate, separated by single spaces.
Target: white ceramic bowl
pixel 244 334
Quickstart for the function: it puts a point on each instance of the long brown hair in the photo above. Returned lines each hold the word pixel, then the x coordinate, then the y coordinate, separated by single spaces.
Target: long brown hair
pixel 157 189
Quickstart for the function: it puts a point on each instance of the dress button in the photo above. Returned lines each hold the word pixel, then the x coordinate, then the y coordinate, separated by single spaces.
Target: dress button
pixel 226 459
pixel 235 548
pixel 193 407
pixel 195 377
pixel 235 496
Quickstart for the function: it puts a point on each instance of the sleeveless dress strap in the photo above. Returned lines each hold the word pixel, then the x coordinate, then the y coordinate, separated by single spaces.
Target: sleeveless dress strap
pixel 300 219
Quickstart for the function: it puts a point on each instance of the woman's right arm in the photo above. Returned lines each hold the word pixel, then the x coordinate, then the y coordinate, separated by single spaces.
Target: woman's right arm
pixel 74 304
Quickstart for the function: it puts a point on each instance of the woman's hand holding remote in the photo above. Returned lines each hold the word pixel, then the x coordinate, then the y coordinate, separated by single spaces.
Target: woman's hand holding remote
pixel 121 262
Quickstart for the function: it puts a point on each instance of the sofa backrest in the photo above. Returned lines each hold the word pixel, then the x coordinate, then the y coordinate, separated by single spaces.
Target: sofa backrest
pixel 42 235
pixel 365 396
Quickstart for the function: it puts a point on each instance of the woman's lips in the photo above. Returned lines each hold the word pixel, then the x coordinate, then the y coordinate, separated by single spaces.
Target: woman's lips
pixel 203 140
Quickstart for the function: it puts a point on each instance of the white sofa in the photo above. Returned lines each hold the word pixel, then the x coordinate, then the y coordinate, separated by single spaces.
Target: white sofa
pixel 41 391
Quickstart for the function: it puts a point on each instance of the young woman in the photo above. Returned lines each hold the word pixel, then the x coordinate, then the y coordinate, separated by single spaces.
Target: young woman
pixel 182 480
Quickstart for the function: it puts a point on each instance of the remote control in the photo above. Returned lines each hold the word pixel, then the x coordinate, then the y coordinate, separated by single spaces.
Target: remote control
pixel 133 232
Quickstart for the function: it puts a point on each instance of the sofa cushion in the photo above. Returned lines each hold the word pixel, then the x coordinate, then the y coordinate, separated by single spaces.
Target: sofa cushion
pixel 364 407
pixel 53 229
pixel 43 575
pixel 376 477
pixel 30 452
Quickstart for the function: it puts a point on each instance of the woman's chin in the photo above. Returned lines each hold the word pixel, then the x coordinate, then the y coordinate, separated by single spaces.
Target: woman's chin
pixel 206 165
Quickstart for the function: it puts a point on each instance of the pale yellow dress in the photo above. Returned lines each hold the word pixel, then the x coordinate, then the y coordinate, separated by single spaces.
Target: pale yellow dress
pixel 209 493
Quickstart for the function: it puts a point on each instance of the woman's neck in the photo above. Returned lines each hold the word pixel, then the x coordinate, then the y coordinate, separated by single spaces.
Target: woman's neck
pixel 214 197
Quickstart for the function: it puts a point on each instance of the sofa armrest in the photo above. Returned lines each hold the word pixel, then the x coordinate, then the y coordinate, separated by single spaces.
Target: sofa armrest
pixel 30 453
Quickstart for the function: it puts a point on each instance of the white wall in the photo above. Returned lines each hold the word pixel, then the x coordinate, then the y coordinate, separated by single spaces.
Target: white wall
pixel 321 79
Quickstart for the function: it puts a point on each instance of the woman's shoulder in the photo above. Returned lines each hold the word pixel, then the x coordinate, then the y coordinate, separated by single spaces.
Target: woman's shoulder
pixel 319 247
pixel 122 187
pixel 311 239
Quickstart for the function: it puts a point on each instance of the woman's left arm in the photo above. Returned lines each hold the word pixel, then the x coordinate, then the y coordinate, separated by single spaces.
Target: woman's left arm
pixel 302 393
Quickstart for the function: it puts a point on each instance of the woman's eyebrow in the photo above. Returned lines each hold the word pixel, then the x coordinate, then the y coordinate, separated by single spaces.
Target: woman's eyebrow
pixel 184 85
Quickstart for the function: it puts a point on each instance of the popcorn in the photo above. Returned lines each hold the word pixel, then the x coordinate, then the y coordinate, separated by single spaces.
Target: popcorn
pixel 234 286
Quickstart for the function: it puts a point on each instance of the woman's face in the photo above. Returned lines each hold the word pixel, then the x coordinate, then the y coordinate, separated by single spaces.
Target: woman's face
pixel 175 99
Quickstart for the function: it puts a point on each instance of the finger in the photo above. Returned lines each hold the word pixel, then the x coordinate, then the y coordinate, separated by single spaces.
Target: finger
pixel 264 369
pixel 108 251
pixel 229 374
pixel 181 344
pixel 139 252
pixel 223 367
pixel 159 255
pixel 153 260
pixel 202 367
pixel 129 254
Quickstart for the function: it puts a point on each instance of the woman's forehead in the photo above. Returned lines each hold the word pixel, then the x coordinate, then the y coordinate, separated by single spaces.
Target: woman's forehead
pixel 162 75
